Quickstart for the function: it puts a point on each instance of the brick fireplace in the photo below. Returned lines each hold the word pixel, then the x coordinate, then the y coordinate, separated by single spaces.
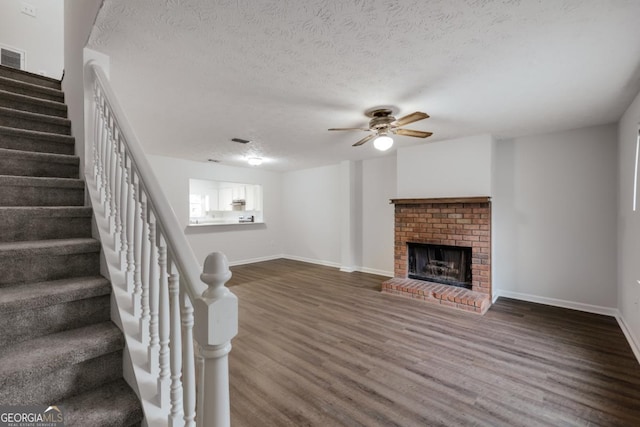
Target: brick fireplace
pixel 444 223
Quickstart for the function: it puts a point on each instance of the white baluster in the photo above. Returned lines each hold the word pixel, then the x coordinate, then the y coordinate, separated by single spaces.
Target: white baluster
pixel 100 179
pixel 163 324
pixel 124 197
pixel 96 131
pixel 136 297
pixel 153 348
pixel 108 176
pixel 117 193
pixel 113 179
pixel 144 266
pixel 216 323
pixel 188 359
pixel 199 384
pixel 104 150
pixel 130 224
pixel 175 348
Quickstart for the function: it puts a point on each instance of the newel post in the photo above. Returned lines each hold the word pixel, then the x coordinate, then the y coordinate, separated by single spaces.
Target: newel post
pixel 216 323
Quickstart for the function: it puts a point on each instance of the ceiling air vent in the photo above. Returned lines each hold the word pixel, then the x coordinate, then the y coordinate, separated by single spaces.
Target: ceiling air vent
pixel 240 140
pixel 12 58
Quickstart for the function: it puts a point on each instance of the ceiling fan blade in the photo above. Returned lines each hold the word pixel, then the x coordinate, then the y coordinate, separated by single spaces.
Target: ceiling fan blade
pixel 413 117
pixel 349 129
pixel 365 139
pixel 416 133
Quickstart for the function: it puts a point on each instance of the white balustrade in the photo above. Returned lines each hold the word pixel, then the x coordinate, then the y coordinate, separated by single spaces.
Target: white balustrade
pixel 185 314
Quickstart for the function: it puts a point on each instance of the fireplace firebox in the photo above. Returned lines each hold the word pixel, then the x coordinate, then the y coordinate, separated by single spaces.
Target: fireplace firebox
pixel 450 265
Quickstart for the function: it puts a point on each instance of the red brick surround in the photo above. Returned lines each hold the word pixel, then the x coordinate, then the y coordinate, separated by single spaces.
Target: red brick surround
pixel 447 221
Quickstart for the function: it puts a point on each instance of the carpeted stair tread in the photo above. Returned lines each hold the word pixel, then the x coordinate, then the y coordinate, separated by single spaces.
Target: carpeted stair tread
pixel 112 405
pixel 25 76
pixel 46 211
pixel 44 260
pixel 22 102
pixel 33 140
pixel 35 295
pixel 39 247
pixel 54 351
pixel 41 191
pixel 34 121
pixel 49 157
pixel 29 163
pixel 31 89
pixel 37 181
pixel 22 223
pixel 32 310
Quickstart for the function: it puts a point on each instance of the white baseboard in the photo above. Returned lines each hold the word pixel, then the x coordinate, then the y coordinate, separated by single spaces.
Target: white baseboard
pixel 339 266
pixel 312 261
pixel 635 347
pixel 375 271
pixel 496 295
pixel 252 260
pixel 596 309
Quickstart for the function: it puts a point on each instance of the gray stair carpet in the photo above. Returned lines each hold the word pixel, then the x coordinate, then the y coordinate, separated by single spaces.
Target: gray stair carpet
pixel 58 345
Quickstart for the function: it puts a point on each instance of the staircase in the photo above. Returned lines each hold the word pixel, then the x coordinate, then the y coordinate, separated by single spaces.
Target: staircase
pixel 58 345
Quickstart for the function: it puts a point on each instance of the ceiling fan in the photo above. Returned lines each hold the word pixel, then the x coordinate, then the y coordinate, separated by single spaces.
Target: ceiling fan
pixel 383 123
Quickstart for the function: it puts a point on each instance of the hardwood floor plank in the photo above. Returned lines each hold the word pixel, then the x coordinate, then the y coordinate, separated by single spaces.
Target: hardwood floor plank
pixel 319 347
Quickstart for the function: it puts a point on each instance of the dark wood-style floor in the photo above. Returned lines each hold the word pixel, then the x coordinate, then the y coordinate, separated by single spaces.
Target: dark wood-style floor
pixel 317 347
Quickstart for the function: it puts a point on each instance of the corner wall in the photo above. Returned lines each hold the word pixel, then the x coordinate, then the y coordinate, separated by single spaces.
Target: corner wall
pixel 629 226
pixel 314 210
pixel 312 215
pixel 555 209
pixel 379 183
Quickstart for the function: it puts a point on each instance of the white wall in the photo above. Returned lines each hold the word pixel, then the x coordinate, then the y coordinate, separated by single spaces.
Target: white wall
pixel 453 168
pixel 312 214
pixel 240 243
pixel 378 187
pixel 629 225
pixel 79 17
pixel 554 218
pixel 41 38
pixel 317 215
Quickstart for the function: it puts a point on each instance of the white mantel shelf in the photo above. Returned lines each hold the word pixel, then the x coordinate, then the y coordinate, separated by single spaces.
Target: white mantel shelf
pixel 480 199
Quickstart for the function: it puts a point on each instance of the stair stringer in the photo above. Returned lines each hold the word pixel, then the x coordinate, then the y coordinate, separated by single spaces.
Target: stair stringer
pixel 135 364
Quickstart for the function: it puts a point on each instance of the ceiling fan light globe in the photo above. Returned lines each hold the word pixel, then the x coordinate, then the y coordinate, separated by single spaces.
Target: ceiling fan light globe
pixel 383 143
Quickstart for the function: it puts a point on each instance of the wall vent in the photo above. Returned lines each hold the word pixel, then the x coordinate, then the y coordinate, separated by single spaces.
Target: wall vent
pixel 11 58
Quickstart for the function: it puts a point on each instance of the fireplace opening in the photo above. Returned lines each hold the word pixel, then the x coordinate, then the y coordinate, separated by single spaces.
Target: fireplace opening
pixel 450 265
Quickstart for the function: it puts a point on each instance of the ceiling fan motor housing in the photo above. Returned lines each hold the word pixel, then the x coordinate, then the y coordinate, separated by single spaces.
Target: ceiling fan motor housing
pixel 381 119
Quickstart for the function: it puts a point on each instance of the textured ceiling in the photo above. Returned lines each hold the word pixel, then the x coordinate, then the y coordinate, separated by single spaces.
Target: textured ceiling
pixel 194 74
